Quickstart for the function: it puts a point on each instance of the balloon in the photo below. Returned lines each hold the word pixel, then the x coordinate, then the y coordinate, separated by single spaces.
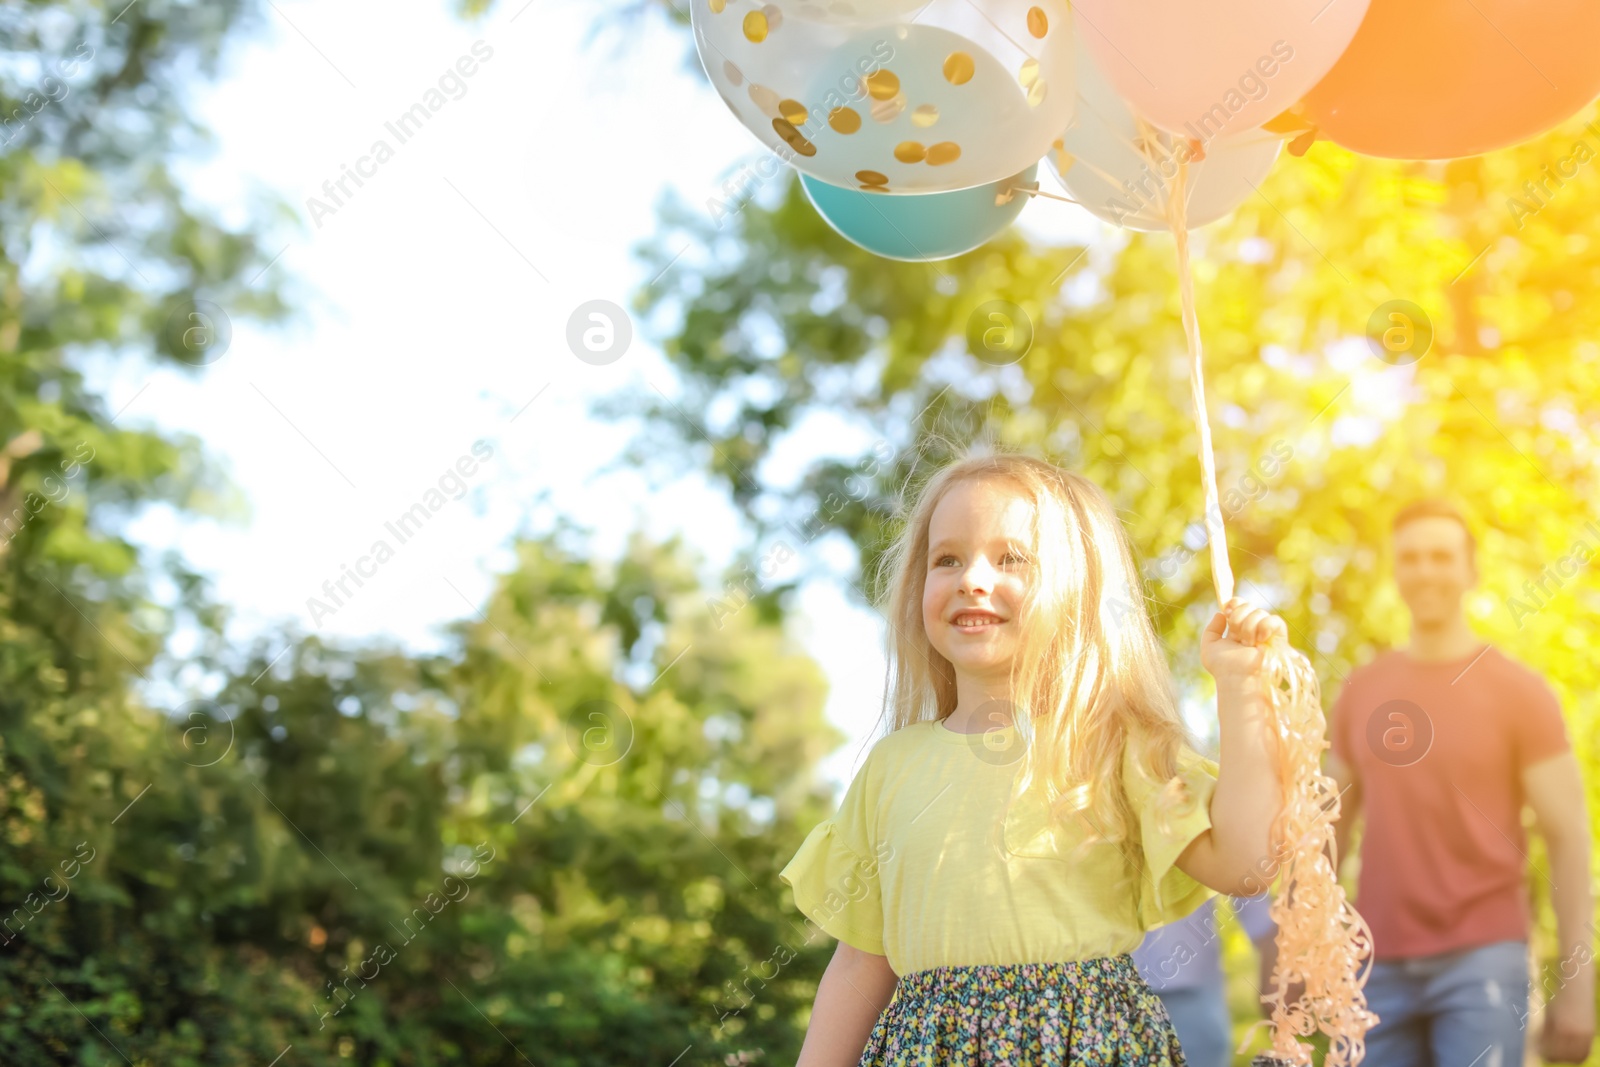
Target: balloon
pixel 1441 79
pixel 964 96
pixel 1097 162
pixel 858 12
pixel 1218 67
pixel 921 228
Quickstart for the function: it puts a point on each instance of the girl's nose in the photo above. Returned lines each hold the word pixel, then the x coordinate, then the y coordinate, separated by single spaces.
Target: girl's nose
pixel 977 578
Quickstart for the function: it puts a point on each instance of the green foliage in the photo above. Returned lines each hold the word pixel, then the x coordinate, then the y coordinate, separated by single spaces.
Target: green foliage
pixel 557 841
pixel 357 853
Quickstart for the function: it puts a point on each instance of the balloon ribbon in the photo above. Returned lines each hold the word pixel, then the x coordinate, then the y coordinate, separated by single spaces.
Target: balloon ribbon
pixel 1322 940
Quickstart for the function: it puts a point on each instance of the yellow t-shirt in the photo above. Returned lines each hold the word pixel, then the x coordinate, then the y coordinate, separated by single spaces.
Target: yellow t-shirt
pixel 917 866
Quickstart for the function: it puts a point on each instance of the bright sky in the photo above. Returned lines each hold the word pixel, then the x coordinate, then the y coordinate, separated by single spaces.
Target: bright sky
pixel 433 310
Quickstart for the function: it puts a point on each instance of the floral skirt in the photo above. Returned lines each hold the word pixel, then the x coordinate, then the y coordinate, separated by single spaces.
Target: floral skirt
pixel 1087 1013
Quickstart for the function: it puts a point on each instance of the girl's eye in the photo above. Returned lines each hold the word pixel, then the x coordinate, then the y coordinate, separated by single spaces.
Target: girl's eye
pixel 1007 560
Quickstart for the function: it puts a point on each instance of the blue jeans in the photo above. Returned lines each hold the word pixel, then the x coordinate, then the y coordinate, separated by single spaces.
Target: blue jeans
pixel 1466 1008
pixel 1200 1016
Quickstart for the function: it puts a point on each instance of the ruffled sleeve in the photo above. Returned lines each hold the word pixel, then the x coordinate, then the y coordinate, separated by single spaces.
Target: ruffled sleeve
pixel 834 875
pixel 1165 830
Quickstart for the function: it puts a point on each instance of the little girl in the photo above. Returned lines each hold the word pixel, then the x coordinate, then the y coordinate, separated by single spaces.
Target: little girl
pixel 1036 805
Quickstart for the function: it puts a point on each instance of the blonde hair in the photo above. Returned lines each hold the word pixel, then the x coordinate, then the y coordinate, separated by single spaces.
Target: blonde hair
pixel 1090 674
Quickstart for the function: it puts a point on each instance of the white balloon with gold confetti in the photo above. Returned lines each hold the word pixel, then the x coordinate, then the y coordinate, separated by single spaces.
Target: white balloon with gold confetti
pixel 857 94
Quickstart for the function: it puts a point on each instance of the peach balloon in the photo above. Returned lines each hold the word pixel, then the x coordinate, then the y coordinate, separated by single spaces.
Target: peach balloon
pixel 1442 79
pixel 1200 69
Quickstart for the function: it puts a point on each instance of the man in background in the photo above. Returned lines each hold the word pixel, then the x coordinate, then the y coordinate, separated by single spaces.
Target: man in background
pixel 1440 745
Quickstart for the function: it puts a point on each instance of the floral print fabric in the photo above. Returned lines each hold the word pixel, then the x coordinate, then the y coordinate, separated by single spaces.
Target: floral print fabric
pixel 1084 1013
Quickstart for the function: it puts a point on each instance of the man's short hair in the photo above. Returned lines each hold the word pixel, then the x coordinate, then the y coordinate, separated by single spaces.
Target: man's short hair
pixel 1436 509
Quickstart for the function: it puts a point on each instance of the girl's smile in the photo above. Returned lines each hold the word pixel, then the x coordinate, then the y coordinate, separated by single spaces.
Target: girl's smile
pixel 974 621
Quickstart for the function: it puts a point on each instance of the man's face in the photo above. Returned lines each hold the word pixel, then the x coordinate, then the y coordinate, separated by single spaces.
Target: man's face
pixel 1431 569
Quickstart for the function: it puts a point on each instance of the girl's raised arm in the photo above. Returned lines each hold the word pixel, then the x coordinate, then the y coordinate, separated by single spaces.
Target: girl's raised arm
pixel 1235 855
pixel 854 990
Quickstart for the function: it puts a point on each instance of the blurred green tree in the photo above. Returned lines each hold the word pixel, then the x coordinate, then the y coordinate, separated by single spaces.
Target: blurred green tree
pixel 558 840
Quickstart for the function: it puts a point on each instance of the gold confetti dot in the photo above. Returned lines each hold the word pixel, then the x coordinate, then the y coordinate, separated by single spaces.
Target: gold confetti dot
pixel 755 27
pixel 717 6
pixel 925 116
pixel 871 177
pixel 733 72
pixel 959 68
pixel 1064 160
pixel 883 84
pixel 1038 25
pixel 765 99
pixel 844 120
pixel 942 153
pixel 874 188
pixel 1029 72
pixel 1057 143
pixel 910 152
pixel 793 110
pixel 1036 93
pixel 796 140
pixel 888 110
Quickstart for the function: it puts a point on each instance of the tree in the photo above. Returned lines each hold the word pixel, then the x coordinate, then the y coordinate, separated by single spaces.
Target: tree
pixel 102 257
pixel 351 851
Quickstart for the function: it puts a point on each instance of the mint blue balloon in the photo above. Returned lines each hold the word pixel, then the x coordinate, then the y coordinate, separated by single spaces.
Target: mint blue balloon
pixel 921 227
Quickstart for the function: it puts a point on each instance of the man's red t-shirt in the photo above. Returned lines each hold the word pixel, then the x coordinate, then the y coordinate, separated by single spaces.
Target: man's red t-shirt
pixel 1439 749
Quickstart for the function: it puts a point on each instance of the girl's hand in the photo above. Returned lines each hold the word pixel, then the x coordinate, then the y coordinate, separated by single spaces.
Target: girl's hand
pixel 1230 648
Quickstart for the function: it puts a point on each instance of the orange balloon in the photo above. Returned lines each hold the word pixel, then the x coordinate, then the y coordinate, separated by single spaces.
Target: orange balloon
pixel 1441 79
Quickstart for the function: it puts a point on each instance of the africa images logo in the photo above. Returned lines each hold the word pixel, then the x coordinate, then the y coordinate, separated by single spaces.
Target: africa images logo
pixel 403 528
pixel 405 126
pixel 1399 733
